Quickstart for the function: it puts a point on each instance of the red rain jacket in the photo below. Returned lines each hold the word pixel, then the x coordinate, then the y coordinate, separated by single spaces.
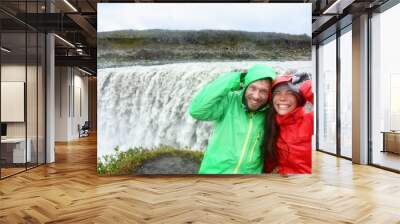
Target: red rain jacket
pixel 293 143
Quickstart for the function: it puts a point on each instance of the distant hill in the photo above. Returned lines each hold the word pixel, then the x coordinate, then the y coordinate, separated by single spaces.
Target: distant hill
pixel 130 47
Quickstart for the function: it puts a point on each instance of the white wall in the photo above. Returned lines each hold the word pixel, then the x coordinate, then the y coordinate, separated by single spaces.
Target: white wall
pixel 12 100
pixel 70 83
pixel 61 103
pixel 33 126
pixel 13 72
pixel 16 73
pixel 81 84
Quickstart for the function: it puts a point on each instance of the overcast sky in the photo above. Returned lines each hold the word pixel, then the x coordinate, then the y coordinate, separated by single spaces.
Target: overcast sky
pixel 256 17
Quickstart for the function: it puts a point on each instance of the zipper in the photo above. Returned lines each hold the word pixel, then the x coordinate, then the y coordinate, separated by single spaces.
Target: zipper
pixel 254 147
pixel 245 144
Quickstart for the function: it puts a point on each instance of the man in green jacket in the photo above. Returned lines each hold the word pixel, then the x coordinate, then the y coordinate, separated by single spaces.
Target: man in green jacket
pixel 238 116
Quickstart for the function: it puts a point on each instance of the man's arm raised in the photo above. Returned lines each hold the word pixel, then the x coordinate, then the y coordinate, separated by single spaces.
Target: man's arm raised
pixel 211 102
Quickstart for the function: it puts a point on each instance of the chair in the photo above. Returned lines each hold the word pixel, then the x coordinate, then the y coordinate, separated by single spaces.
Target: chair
pixel 84 130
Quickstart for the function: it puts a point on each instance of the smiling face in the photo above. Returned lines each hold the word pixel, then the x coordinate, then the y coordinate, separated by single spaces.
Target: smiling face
pixel 284 100
pixel 257 93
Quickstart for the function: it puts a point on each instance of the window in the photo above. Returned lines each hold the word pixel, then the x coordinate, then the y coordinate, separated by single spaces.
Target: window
pixel 22 77
pixel 385 88
pixel 327 96
pixel 346 93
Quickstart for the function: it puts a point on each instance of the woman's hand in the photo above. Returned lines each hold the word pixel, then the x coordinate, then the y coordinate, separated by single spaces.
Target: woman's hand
pixel 306 90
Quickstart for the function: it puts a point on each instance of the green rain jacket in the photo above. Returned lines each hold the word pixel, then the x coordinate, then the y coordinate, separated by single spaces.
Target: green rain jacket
pixel 234 146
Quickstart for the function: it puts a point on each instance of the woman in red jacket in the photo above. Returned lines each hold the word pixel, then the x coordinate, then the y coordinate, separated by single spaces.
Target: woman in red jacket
pixel 287 139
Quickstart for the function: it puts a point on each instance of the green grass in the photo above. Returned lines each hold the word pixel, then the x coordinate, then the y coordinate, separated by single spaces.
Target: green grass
pixel 122 163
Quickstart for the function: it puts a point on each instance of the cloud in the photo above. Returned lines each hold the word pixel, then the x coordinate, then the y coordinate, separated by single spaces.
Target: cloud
pixel 294 18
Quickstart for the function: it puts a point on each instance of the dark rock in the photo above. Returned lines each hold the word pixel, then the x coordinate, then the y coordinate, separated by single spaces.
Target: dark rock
pixel 167 164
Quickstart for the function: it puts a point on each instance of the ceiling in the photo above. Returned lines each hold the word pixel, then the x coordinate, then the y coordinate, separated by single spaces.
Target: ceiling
pixel 76 21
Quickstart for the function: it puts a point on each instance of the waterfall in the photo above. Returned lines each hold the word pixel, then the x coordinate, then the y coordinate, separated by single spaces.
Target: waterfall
pixel 147 106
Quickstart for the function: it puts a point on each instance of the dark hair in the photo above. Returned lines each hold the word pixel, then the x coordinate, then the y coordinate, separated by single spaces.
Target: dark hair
pixel 271 130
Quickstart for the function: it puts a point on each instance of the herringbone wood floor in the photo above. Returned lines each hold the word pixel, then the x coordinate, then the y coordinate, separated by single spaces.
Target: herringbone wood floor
pixel 70 191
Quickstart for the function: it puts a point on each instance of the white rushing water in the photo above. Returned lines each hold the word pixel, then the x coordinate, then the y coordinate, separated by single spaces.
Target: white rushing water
pixel 147 106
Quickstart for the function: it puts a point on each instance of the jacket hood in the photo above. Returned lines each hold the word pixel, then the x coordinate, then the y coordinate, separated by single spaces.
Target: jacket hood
pixel 255 73
pixel 258 72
